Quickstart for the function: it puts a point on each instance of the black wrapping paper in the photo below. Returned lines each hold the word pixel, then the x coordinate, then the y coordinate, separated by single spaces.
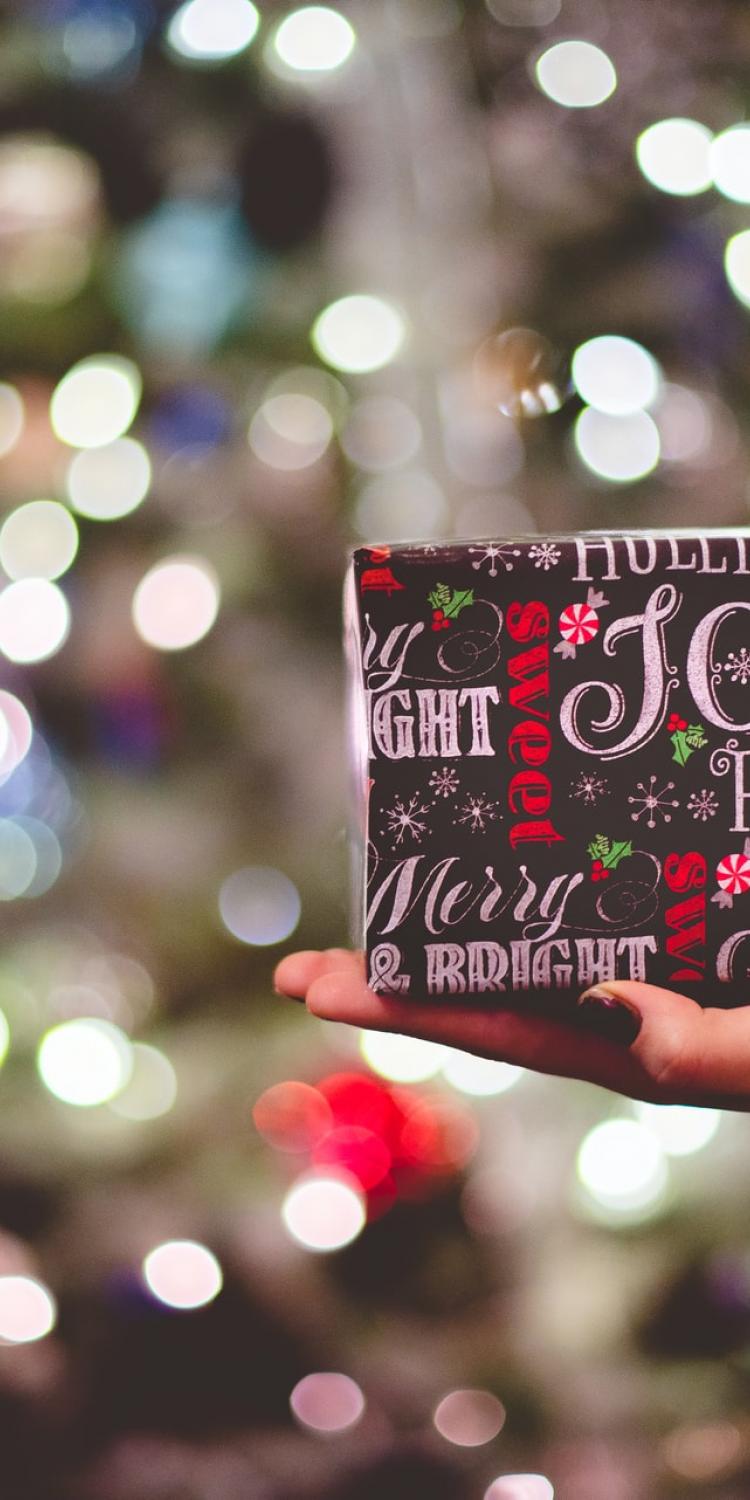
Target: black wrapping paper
pixel 551 754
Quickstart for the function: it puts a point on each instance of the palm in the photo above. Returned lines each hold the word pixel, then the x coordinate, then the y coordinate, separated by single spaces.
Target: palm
pixel 683 1054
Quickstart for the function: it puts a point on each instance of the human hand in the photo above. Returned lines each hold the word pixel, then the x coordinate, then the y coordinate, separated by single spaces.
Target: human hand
pixel 635 1039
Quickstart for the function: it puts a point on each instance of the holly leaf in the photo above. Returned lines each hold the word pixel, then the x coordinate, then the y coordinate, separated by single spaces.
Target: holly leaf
pixel 621 849
pixel 599 846
pixel 440 596
pixel 682 747
pixel 695 736
pixel 461 597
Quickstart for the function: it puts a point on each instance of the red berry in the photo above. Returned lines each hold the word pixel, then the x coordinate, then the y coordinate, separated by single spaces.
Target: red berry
pixel 597 865
pixel 437 614
pixel 444 624
pixel 605 874
pixel 436 625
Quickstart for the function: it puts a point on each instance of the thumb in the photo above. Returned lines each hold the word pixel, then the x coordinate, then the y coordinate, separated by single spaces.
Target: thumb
pixel 689 1054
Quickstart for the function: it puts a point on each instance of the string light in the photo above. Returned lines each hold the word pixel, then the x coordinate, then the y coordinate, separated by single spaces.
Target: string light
pixel 403 1059
pixel 469 1418
pixel 259 905
pixel 674 156
pixel 111 481
pixel 175 603
pixel 621 449
pixel 212 30
pixel 479 1076
pixel 183 1274
pixel 96 401
pixel 737 265
pixel 38 540
pixel 616 375
pixel 327 1402
pixel 27 1309
pixel 681 1128
pixel 34 620
pixel 314 39
pixel 11 417
pixel 151 1089
pixel 324 1213
pixel 358 333
pixel 729 160
pixel 576 74
pixel 621 1167
pixel 85 1061
pixel 16 733
pixel 520 1487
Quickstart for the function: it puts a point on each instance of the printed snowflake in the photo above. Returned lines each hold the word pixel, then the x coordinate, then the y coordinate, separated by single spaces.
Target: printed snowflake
pixel 652 802
pixel 403 819
pixel 703 804
pixel 478 812
pixel 491 553
pixel 444 782
pixel 545 554
pixel 590 787
pixel 737 665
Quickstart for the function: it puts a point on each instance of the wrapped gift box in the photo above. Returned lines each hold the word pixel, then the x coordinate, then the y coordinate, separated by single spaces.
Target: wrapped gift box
pixel 551 764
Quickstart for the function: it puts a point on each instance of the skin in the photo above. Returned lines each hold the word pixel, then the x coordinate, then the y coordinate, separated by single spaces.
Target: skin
pixel 683 1054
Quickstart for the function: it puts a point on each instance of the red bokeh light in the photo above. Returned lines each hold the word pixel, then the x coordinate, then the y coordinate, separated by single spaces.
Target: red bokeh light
pixel 292 1116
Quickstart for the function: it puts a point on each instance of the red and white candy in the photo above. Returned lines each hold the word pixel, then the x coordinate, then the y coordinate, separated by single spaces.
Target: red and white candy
pixel 733 873
pixel 578 624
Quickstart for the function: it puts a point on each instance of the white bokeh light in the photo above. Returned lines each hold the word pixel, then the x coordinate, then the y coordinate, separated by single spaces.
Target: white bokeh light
pixel 183 1274
pixel 621 449
pixel 621 1166
pixel 11 417
pixel 16 732
pixel 403 1059
pixel 211 30
pixel 151 1089
pixel 27 1309
pixel 684 423
pixel 327 1401
pixel 681 1128
pixel 479 1076
pixel 259 905
pixel 674 156
pixel 85 1061
pixel 324 1213
pixel 18 860
pixel 407 506
pixel 469 1418
pixel 520 1487
pixel 615 374
pixel 4 1037
pixel 34 620
pixel 176 603
pixel 382 433
pixel 358 333
pixel 111 481
pixel 38 540
pixel 290 431
pixel 96 401
pixel 576 74
pixel 730 163
pixel 737 265
pixel 314 39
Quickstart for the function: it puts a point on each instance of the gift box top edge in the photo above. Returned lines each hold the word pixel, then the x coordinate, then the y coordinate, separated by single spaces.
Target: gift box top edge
pixel 427 550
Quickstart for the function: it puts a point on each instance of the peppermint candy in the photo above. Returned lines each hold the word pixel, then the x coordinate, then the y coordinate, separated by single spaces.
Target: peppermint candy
pixel 578 624
pixel 733 873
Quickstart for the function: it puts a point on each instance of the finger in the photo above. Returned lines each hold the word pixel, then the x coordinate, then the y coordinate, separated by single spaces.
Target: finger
pixel 690 1053
pixel 544 1045
pixel 295 973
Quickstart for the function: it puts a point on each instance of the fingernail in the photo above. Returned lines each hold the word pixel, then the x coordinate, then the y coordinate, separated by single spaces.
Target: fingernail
pixel 609 1016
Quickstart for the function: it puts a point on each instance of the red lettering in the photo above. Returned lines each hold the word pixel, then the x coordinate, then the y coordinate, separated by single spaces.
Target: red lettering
pixel 527 687
pixel 535 833
pixel 532 740
pixel 681 871
pixel 686 919
pixel 534 790
pixel 524 621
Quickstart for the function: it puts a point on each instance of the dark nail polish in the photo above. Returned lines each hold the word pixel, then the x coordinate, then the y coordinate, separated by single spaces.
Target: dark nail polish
pixel 609 1016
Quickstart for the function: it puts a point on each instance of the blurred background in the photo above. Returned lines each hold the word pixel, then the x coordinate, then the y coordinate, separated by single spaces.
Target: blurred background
pixel 273 281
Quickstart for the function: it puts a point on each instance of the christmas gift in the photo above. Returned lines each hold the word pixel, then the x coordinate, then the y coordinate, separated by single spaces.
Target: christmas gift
pixel 551 764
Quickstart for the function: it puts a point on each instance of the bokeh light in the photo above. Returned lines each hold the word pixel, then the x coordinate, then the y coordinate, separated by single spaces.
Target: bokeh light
pixel 212 30
pixel 576 74
pixel 259 905
pixel 16 732
pixel 408 506
pixel 151 1089
pixel 382 433
pixel 34 620
pixel 440 1136
pixel 85 1061
pixel 737 265
pixel 96 401
pixel 729 159
pixel 17 860
pixel 681 1128
pixel 702 1451
pixel 27 1309
pixel 684 423
pixel 520 373
pixel 176 603
pixel 674 156
pixel 524 12
pixel 403 1059
pixel 469 1418
pixel 314 39
pixel 38 540
pixel 621 449
pixel 111 481
pixel 615 375
pixel 479 1076
pixel 327 1401
pixel 4 1037
pixel 324 1213
pixel 520 1487
pixel 48 859
pixel 292 1116
pixel 183 1274
pixel 621 1166
pixel 290 431
pixel 11 417
pixel 358 333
